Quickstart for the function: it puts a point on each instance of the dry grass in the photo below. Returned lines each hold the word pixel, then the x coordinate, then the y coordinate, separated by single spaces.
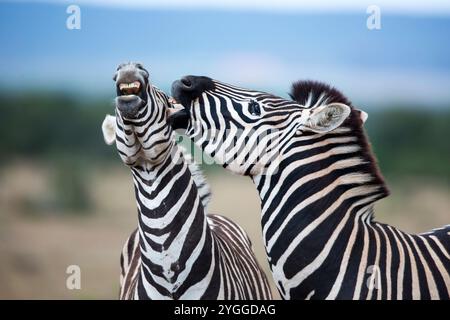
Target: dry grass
pixel 36 250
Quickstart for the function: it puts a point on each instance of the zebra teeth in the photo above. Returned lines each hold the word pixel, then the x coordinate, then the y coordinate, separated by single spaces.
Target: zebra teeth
pixel 173 101
pixel 132 87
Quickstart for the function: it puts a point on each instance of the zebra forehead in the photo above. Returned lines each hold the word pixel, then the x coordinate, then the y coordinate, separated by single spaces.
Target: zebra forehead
pixel 313 93
pixel 131 64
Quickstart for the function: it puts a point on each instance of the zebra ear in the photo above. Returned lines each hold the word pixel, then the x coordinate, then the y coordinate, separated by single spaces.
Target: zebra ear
pixel 363 115
pixel 109 129
pixel 326 118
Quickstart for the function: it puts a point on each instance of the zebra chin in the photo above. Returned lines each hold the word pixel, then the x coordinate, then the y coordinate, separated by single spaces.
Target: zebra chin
pixel 179 119
pixel 129 105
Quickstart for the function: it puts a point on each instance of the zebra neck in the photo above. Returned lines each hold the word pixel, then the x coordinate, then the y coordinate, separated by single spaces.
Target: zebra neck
pixel 170 213
pixel 313 173
pixel 318 186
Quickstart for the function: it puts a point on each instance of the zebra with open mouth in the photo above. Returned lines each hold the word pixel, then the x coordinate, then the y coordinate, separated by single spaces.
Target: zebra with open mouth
pixel 178 252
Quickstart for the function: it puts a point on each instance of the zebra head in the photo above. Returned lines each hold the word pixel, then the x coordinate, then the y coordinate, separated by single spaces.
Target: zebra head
pixel 140 127
pixel 131 87
pixel 247 130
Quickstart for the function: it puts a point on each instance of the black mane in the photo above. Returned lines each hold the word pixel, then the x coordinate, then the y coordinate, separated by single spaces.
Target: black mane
pixel 307 89
pixel 321 93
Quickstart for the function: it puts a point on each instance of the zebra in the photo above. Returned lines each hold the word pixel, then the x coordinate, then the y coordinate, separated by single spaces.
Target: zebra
pixel 177 252
pixel 318 181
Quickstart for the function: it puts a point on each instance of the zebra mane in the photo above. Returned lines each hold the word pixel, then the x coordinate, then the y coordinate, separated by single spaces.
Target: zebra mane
pixel 313 93
pixel 310 93
pixel 204 190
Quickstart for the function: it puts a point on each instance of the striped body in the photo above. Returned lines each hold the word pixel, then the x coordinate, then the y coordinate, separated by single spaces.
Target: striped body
pixel 224 230
pixel 323 243
pixel 178 252
pixel 317 191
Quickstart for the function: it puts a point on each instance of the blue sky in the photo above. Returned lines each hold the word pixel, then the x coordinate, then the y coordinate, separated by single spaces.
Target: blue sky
pixel 408 60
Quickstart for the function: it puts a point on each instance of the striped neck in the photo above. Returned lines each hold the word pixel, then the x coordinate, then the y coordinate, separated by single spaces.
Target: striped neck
pixel 320 181
pixel 311 157
pixel 173 229
pixel 319 165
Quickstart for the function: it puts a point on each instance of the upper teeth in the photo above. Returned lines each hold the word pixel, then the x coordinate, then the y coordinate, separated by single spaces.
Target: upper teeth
pixel 135 84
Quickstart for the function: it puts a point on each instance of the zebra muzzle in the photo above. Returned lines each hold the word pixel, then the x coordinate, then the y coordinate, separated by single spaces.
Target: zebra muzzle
pixel 129 105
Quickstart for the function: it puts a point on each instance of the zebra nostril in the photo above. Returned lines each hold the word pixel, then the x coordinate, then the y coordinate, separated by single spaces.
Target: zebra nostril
pixel 186 82
pixel 190 87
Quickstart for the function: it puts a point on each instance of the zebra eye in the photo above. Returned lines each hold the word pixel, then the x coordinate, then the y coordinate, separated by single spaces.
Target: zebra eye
pixel 253 108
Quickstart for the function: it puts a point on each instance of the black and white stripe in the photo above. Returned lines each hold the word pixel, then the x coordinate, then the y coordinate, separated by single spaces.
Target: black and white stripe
pixel 178 252
pixel 317 191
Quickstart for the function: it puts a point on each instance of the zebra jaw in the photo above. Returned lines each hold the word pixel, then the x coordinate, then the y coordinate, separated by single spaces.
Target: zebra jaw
pixel 177 115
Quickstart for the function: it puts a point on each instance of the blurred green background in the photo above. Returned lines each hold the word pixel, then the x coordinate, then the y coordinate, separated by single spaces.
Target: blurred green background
pixel 66 198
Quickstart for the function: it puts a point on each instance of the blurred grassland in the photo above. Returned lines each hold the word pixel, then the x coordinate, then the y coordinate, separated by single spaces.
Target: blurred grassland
pixel 37 244
pixel 65 197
